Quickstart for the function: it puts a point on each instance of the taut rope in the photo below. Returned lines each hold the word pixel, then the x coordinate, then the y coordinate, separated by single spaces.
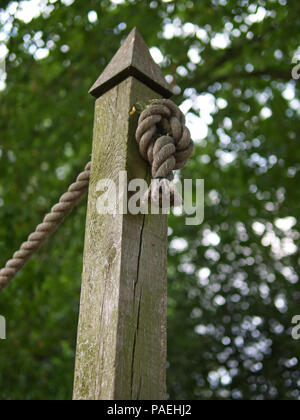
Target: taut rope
pixel 50 223
pixel 164 141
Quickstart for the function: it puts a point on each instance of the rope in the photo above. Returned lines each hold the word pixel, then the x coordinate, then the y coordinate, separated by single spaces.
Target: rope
pixel 43 231
pixel 165 142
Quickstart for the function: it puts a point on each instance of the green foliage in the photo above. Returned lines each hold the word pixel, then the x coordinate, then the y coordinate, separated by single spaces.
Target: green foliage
pixel 230 322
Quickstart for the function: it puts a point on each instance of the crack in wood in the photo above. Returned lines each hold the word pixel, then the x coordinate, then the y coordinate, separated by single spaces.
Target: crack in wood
pixel 139 304
pixel 134 343
pixel 139 256
pixel 121 350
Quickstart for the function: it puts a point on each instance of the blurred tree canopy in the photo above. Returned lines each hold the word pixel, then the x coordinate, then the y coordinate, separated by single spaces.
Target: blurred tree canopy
pixel 234 280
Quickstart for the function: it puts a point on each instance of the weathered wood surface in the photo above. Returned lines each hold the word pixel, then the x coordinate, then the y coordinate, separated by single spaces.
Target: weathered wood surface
pixel 132 59
pixel 121 349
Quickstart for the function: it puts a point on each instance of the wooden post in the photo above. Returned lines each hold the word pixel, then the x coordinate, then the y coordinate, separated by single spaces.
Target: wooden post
pixel 121 348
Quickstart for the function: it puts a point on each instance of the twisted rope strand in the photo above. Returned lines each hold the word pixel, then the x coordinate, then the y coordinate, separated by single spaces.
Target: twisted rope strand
pixel 43 231
pixel 165 142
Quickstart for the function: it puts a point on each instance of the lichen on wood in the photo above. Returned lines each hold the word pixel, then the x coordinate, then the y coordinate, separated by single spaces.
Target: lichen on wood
pixel 121 349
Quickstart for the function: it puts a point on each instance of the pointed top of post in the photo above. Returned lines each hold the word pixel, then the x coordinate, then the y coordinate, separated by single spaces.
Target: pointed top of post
pixel 132 59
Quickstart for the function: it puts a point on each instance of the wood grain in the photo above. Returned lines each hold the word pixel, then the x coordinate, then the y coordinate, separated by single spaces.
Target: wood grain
pixel 121 348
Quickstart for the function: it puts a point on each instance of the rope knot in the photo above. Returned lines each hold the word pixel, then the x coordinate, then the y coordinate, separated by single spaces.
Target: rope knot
pixel 165 142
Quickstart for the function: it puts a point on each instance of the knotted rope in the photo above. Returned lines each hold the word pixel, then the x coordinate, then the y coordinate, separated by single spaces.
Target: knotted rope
pixel 165 142
pixel 51 221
